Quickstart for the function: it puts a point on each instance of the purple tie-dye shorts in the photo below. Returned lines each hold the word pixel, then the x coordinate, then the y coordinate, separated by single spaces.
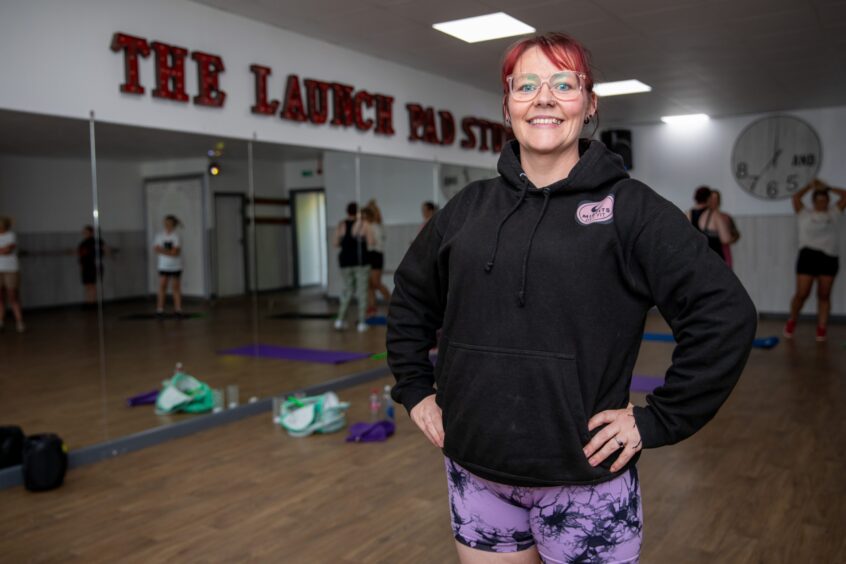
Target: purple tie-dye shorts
pixel 590 523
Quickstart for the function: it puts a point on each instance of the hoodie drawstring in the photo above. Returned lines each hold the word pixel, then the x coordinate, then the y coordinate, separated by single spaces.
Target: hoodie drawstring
pixel 489 266
pixel 521 295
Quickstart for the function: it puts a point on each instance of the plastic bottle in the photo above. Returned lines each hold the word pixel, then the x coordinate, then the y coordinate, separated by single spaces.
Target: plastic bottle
pixel 388 403
pixel 375 404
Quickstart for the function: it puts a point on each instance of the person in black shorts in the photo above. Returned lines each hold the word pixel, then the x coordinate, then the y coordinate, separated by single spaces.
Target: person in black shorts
pixel 90 253
pixel 817 252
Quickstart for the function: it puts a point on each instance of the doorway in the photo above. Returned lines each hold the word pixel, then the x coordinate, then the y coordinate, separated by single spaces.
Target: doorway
pixel 230 245
pixel 308 210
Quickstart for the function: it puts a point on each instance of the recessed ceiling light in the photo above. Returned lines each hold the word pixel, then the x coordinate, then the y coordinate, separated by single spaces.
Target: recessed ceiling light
pixel 620 87
pixel 484 28
pixel 688 119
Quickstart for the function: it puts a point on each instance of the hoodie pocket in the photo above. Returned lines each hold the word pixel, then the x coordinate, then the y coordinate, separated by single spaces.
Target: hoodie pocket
pixel 515 412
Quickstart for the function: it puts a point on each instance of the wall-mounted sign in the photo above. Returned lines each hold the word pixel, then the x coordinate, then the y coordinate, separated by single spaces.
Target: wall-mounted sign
pixel 310 100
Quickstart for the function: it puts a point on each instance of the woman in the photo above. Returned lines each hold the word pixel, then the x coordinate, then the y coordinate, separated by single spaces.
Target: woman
pixel 817 253
pixel 90 253
pixel 715 200
pixel 376 257
pixel 168 247
pixel 10 276
pixel 709 221
pixel 542 279
pixel 352 238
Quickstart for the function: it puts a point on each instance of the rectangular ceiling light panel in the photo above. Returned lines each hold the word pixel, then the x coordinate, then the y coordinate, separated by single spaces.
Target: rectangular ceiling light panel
pixel 687 119
pixel 484 28
pixel 620 87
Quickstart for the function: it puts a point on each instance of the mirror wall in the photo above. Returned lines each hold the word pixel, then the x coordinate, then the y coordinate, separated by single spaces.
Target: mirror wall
pixel 242 253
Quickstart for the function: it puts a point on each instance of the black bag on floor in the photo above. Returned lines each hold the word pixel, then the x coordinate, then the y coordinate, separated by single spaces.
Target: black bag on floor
pixel 45 461
pixel 11 446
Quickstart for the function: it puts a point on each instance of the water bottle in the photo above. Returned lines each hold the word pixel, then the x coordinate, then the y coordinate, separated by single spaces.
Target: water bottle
pixel 375 404
pixel 388 403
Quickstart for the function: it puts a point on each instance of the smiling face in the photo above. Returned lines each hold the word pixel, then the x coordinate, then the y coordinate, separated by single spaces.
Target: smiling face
pixel 547 125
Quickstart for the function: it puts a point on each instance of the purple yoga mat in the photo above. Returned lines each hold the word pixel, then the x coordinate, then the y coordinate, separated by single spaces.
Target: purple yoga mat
pixel 645 383
pixel 291 353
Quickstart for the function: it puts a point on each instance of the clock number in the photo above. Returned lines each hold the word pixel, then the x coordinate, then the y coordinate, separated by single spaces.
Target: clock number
pixel 805 160
pixel 792 184
pixel 741 170
pixel 772 189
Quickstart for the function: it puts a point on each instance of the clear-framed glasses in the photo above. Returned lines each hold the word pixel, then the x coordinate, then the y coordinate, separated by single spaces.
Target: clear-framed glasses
pixel 565 85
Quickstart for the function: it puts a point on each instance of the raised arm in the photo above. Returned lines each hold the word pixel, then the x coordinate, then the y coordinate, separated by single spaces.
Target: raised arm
pixel 841 197
pixel 797 197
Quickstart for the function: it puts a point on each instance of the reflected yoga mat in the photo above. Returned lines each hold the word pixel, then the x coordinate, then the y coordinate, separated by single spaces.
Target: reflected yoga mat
pixel 762 343
pixel 291 353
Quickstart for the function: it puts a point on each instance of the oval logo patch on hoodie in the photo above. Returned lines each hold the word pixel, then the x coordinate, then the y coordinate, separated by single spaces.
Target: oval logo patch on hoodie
pixel 596 212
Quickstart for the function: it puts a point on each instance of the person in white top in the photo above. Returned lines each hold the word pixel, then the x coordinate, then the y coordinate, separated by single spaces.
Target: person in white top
pixel 372 215
pixel 168 247
pixel 818 259
pixel 9 273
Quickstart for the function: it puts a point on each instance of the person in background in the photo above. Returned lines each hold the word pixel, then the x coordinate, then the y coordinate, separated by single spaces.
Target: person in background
pixel 541 279
pixel 428 209
pixel 376 257
pixel 10 276
pixel 715 200
pixel 90 253
pixel 353 237
pixel 712 224
pixel 818 254
pixel 168 247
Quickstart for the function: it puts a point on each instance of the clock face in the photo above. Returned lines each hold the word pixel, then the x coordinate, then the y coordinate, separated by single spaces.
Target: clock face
pixel 776 156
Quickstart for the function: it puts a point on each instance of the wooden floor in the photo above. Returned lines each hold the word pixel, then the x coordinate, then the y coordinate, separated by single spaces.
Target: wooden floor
pixel 51 378
pixel 763 483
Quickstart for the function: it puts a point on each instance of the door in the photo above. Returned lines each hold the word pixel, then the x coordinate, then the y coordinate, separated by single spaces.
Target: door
pixel 182 197
pixel 309 216
pixel 230 265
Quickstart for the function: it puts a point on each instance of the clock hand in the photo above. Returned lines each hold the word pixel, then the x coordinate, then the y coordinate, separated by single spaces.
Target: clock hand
pixel 770 163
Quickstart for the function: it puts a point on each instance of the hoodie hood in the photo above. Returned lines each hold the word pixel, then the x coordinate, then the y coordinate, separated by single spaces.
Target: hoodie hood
pixel 597 166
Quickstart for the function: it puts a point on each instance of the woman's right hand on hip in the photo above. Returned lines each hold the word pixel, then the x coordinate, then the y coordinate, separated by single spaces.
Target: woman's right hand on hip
pixel 427 415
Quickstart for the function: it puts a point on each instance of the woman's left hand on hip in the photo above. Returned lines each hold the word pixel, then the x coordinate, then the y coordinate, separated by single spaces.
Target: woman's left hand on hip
pixel 619 434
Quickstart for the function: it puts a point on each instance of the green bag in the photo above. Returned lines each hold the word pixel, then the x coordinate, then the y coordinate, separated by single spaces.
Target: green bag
pixel 313 414
pixel 184 393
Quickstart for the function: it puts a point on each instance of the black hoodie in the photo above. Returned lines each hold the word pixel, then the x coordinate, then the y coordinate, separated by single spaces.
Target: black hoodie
pixel 542 295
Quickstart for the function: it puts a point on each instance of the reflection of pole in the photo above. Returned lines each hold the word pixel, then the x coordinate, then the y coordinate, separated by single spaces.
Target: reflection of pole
pixel 436 173
pixel 254 253
pixel 95 212
pixel 358 198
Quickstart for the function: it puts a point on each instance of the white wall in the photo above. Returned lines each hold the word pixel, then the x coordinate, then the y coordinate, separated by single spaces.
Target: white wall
pixel 55 59
pixel 675 160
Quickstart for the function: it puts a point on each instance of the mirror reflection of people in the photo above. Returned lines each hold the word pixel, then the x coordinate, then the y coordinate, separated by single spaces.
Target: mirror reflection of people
pixel 375 257
pixel 90 253
pixel 542 279
pixel 818 253
pixel 168 247
pixel 10 276
pixel 352 238
pixel 427 210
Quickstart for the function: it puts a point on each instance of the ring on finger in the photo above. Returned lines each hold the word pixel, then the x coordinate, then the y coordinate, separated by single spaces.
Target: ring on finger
pixel 620 443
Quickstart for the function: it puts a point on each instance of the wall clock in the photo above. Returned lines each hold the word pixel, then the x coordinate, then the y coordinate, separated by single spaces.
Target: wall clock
pixel 775 156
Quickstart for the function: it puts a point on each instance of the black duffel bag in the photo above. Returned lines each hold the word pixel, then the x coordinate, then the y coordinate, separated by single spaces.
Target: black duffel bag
pixel 11 446
pixel 45 461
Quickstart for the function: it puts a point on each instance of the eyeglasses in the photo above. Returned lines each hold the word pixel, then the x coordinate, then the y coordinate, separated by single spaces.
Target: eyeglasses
pixel 566 86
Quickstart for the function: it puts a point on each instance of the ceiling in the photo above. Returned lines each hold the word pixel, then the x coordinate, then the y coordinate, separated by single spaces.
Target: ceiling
pixel 50 136
pixel 720 57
